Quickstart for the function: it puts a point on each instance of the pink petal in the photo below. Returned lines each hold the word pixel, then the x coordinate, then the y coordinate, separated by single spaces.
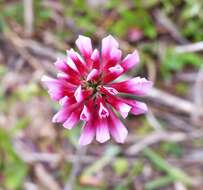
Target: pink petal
pixel 66 66
pixel 72 120
pixel 71 64
pixel 84 44
pixel 117 129
pixel 119 105
pixel 87 134
pixel 109 90
pixel 67 109
pixel 61 115
pixel 85 114
pixel 116 69
pixel 95 57
pixel 137 107
pixel 81 94
pixel 69 78
pixel 61 65
pixel 136 86
pixel 113 73
pixel 68 101
pixel 115 54
pixel 63 100
pixel 102 131
pixel 94 73
pixel 77 59
pixel 130 60
pixel 57 88
pixel 103 111
pixel 78 94
pixel 108 43
pixel 112 59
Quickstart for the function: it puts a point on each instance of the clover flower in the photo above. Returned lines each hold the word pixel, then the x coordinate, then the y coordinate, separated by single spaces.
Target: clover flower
pixel 87 91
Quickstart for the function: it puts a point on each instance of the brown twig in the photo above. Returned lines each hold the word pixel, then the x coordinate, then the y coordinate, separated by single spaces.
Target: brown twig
pixel 179 104
pixel 28 16
pixel 170 26
pixel 18 43
pixel 198 97
pixel 45 178
pixel 161 136
pixel 194 47
pixel 76 167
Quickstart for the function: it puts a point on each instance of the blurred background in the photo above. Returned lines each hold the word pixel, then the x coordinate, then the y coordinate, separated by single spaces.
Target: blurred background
pixel 164 149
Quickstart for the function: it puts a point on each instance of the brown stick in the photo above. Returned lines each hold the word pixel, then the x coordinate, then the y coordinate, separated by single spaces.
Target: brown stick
pixel 172 101
pixel 28 16
pixel 198 46
pixel 45 178
pixel 156 137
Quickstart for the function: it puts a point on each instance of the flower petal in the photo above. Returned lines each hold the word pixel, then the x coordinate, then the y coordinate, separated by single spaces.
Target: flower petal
pixel 94 73
pixel 112 59
pixel 57 88
pixel 119 105
pixel 79 62
pixel 71 64
pixel 64 100
pixel 69 78
pixel 117 128
pixel 110 90
pixel 84 44
pixel 87 134
pixel 72 120
pixel 115 54
pixel 130 60
pixel 66 66
pixel 102 131
pixel 136 86
pixel 85 114
pixel 81 94
pixel 78 94
pixel 61 65
pixel 103 111
pixel 95 57
pixel 113 73
pixel 137 106
pixel 61 116
pixel 108 43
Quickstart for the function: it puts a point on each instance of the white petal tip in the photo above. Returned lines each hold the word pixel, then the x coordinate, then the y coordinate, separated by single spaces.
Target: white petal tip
pixel 45 78
pixel 102 140
pixel 83 143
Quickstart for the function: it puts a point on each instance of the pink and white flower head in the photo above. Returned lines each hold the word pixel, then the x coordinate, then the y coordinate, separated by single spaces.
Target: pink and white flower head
pixel 86 90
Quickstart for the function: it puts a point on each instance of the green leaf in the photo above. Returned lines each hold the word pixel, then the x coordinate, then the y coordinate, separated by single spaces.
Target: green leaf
pixel 141 19
pixel 14 11
pixel 158 183
pixel 15 174
pixel 175 173
pixel 137 168
pixel 109 154
pixel 13 169
pixel 145 3
pixel 177 61
pixel 21 124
